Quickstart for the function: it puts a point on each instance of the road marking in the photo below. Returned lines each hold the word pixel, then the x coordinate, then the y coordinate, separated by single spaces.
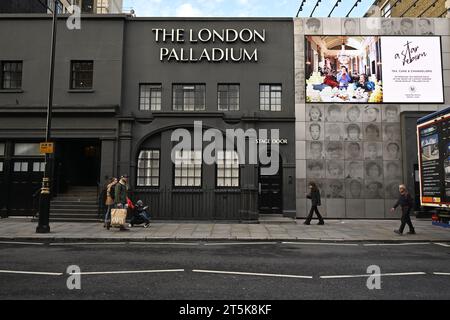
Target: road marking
pixel 167 243
pixel 322 244
pixel 254 274
pixel 396 244
pixel 32 272
pixel 238 243
pixel 442 244
pixel 441 273
pixel 371 275
pixel 18 242
pixel 125 272
pixel 87 243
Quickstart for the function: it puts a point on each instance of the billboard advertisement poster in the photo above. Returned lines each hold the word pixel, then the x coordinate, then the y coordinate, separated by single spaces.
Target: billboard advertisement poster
pixel 434 160
pixel 373 69
pixel 412 70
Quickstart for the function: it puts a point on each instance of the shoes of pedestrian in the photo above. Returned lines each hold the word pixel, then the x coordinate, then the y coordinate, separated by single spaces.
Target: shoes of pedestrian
pixel 411 232
pixel 130 225
pixel 321 223
pixel 398 232
pixel 307 223
pixel 147 225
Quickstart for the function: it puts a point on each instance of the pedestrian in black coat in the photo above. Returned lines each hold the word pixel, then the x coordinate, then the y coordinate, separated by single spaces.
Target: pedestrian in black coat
pixel 406 202
pixel 314 195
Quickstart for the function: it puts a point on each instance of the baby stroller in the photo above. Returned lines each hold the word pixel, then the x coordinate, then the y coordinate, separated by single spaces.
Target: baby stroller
pixel 140 215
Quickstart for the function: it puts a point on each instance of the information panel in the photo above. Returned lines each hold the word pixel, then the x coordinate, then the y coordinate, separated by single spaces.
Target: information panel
pixel 434 160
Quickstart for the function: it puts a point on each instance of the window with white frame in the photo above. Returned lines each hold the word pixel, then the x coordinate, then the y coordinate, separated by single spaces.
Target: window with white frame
pixel 11 74
pixel 38 166
pixel 20 166
pixel 227 169
pixel 148 168
pixel 188 168
pixel 270 97
pixel 189 97
pixel 150 97
pixel 228 97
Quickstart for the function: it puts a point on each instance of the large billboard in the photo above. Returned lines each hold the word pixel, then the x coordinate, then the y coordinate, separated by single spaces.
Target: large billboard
pixel 373 69
pixel 433 134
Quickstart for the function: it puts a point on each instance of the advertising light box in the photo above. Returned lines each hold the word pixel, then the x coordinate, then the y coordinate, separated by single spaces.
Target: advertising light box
pixel 373 69
pixel 433 134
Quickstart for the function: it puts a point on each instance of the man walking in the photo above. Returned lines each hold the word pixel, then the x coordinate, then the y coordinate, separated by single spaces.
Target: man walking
pixel 406 202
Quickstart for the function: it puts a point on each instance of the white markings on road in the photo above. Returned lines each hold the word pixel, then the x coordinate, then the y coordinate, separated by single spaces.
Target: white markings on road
pixel 368 275
pixel 442 244
pixel 254 274
pixel 86 243
pixel 396 244
pixel 167 243
pixel 322 243
pixel 25 243
pixel 32 272
pixel 126 272
pixel 441 273
pixel 237 243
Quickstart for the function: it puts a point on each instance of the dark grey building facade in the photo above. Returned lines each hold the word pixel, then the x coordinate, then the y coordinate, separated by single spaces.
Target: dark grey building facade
pixel 123 85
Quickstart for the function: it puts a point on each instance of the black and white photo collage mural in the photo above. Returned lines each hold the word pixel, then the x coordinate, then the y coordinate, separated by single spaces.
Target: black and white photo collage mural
pixel 354 151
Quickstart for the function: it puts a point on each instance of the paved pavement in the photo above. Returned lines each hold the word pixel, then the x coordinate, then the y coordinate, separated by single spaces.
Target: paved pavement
pixel 334 230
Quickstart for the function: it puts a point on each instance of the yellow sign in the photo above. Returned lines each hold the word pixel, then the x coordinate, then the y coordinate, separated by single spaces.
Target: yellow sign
pixel 46 147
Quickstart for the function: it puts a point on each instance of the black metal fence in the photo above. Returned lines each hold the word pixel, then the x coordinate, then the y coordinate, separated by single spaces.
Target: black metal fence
pixel 198 204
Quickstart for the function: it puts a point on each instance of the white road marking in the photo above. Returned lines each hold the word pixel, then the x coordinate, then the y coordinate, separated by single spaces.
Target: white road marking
pixel 369 275
pixel 167 243
pixel 32 272
pixel 125 272
pixel 441 273
pixel 442 244
pixel 323 243
pixel 254 274
pixel 13 242
pixel 238 243
pixel 396 244
pixel 86 243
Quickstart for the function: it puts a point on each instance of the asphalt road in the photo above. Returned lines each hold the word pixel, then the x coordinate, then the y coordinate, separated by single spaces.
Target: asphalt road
pixel 196 271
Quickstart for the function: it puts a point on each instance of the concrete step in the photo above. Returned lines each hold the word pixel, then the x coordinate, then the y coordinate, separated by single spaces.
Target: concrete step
pixel 78 212
pixel 54 215
pixel 73 203
pixel 75 198
pixel 73 206
pixel 61 219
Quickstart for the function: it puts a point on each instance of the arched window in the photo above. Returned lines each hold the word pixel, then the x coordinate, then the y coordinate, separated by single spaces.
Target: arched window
pixel 148 168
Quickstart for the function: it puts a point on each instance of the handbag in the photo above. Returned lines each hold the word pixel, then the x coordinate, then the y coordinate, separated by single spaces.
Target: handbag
pixel 118 217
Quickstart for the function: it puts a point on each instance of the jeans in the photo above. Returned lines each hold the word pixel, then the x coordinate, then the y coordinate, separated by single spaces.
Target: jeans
pixel 108 214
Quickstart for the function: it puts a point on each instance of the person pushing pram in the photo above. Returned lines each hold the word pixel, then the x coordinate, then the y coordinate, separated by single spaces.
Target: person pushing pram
pixel 140 215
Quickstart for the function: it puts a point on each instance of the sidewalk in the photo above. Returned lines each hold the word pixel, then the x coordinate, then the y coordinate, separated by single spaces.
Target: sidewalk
pixel 13 229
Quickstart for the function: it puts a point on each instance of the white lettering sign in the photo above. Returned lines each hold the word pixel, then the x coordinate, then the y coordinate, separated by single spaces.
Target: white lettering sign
pixel 204 35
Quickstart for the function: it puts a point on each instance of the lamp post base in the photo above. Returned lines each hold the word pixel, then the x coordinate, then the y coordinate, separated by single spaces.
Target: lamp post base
pixel 43 229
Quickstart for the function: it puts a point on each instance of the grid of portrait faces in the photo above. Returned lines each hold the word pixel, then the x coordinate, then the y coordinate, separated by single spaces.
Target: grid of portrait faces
pixel 354 151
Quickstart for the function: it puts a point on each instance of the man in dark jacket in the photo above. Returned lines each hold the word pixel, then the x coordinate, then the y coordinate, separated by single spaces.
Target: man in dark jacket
pixel 314 195
pixel 406 202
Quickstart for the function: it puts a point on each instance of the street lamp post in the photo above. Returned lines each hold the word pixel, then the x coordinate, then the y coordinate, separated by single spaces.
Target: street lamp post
pixel 44 203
